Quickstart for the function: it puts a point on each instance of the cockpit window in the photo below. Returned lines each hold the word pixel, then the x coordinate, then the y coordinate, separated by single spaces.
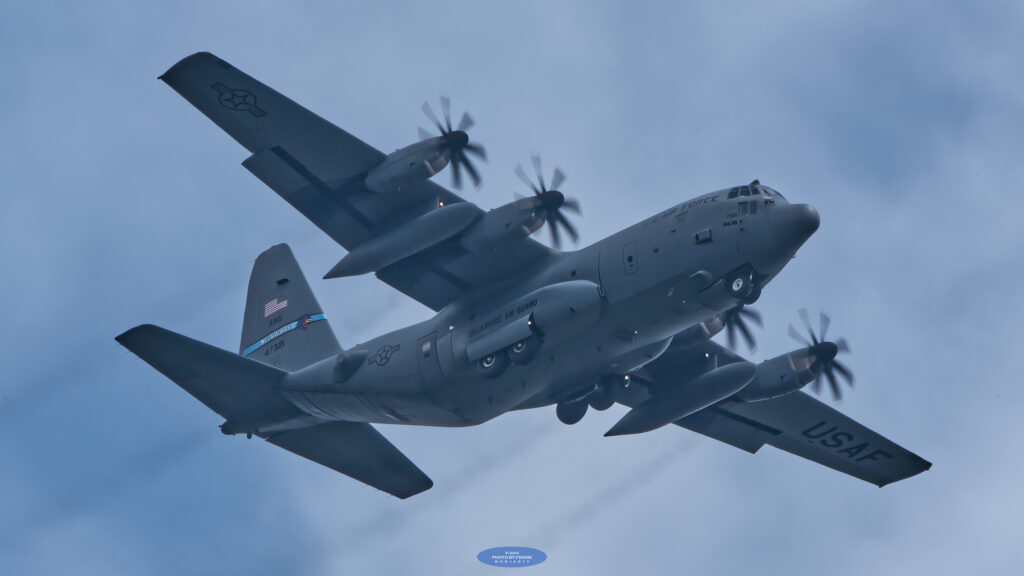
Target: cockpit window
pixel 740 191
pixel 774 191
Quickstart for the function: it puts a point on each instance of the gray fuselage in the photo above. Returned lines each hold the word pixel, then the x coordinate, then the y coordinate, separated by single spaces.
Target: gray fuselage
pixel 659 278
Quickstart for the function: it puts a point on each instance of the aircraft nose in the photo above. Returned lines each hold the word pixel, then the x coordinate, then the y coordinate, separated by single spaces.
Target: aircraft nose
pixel 796 223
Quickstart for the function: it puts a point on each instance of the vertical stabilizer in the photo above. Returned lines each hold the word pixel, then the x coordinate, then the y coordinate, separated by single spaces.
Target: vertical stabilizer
pixel 284 325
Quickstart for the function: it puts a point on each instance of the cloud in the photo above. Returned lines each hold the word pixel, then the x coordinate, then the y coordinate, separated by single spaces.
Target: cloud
pixel 89 494
pixel 124 205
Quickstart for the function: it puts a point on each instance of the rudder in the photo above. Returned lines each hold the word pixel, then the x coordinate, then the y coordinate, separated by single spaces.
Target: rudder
pixel 283 324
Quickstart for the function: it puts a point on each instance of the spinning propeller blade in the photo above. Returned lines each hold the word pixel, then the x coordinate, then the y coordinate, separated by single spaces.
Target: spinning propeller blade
pixel 735 319
pixel 456 141
pixel 548 202
pixel 824 353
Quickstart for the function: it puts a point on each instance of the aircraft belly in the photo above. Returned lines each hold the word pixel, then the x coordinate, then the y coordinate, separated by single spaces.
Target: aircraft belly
pixel 476 400
pixel 556 371
pixel 421 375
pixel 418 409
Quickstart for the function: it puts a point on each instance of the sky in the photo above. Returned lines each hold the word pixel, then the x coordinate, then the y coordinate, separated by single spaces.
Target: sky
pixel 900 122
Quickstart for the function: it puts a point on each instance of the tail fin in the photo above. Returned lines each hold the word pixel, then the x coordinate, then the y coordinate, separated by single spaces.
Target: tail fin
pixel 284 325
pixel 284 330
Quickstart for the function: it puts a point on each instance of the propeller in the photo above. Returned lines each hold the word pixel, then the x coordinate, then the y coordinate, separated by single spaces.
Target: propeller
pixel 549 202
pixel 456 141
pixel 735 320
pixel 824 353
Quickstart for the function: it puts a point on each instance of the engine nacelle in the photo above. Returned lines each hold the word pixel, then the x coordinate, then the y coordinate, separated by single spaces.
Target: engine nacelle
pixel 507 223
pixel 778 376
pixel 557 312
pixel 409 165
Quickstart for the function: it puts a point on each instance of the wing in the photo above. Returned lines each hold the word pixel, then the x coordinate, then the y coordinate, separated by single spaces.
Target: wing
pixel 357 450
pixel 319 169
pixel 796 423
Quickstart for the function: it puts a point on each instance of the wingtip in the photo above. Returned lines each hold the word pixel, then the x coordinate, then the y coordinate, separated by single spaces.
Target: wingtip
pixel 126 336
pixel 924 467
pixel 426 486
pixel 183 62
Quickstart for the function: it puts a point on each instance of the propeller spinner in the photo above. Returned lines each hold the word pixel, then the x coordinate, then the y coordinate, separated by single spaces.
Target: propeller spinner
pixel 824 353
pixel 549 202
pixel 456 141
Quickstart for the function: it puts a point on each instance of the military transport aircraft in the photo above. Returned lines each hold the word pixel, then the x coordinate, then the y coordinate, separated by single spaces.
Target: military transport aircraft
pixel 627 320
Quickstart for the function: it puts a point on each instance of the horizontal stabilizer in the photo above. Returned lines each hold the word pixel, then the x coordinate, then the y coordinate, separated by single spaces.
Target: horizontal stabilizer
pixel 234 385
pixel 224 381
pixel 357 450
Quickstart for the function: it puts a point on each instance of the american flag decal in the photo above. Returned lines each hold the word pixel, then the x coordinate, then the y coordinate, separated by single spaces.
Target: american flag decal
pixel 274 306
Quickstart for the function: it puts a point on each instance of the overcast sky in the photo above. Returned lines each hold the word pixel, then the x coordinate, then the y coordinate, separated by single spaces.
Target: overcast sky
pixel 901 122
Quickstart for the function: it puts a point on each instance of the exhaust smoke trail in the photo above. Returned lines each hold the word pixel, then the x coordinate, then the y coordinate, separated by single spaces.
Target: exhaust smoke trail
pixel 93 492
pixel 638 476
pixel 380 528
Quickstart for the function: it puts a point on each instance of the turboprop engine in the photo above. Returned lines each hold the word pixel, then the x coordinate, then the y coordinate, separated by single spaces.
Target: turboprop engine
pixel 790 372
pixel 409 165
pixel 524 216
pixel 513 221
pixel 420 161
pixel 778 376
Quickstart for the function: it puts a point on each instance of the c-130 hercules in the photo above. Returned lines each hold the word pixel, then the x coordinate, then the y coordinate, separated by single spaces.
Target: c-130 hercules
pixel 518 325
